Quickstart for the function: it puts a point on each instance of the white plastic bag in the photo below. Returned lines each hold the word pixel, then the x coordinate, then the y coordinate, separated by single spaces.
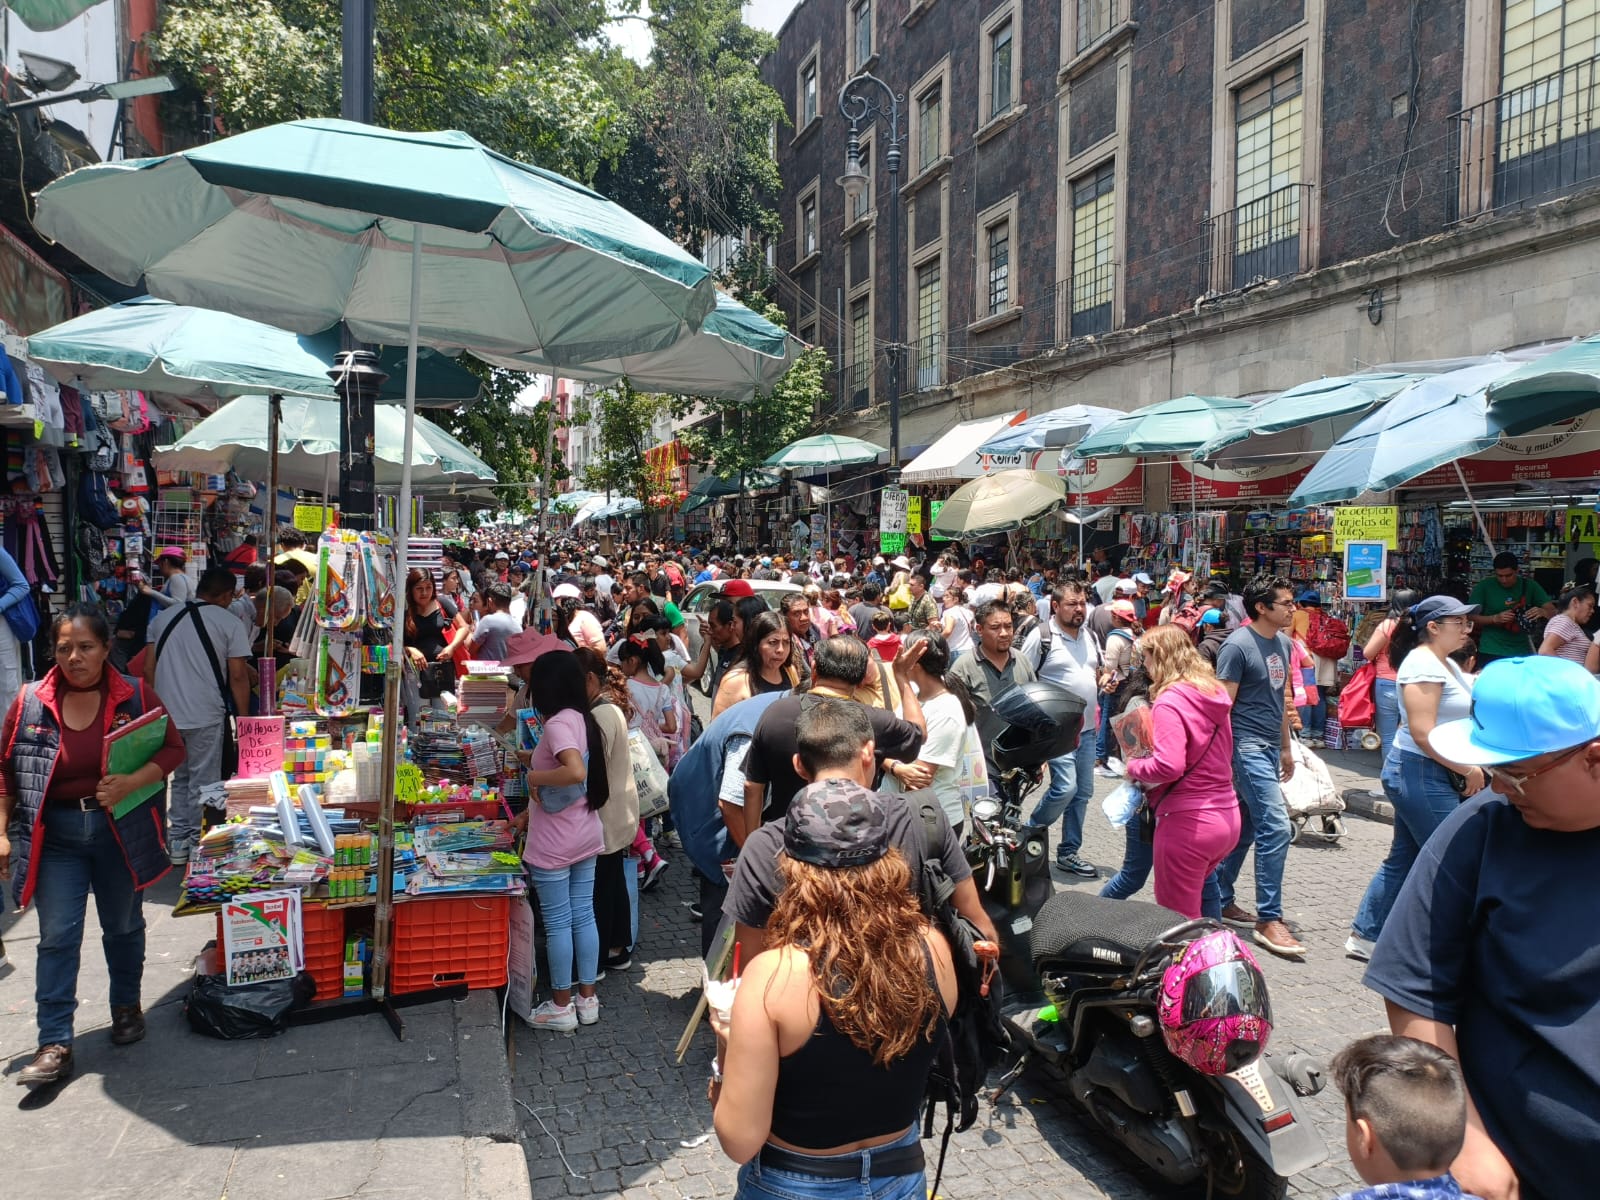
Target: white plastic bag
pixel 1310 789
pixel 649 776
pixel 1124 803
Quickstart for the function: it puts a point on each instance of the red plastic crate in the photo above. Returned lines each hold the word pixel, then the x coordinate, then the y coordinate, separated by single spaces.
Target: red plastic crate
pixel 448 941
pixel 323 928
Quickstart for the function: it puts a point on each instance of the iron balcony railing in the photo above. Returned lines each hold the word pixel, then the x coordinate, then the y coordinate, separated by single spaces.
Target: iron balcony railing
pixel 1083 302
pixel 1260 239
pixel 1527 144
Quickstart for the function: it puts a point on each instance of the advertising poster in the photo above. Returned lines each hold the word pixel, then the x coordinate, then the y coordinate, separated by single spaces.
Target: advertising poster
pixel 1102 481
pixel 1377 523
pixel 1196 483
pixel 261 937
pixel 1366 572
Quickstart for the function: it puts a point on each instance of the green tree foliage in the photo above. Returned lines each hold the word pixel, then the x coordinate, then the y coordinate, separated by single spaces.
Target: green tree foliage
pixel 626 418
pixel 502 70
pixel 508 439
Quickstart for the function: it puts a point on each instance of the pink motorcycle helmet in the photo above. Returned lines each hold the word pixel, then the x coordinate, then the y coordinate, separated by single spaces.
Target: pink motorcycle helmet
pixel 1214 1011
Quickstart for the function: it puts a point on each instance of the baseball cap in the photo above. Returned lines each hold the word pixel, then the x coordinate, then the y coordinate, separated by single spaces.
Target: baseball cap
pixel 1211 616
pixel 565 591
pixel 528 645
pixel 836 823
pixel 1437 608
pixel 766 560
pixel 738 588
pixel 1309 596
pixel 1124 609
pixel 1141 577
pixel 902 562
pixel 502 554
pixel 794 564
pixel 600 561
pixel 1127 585
pixel 175 553
pixel 1521 708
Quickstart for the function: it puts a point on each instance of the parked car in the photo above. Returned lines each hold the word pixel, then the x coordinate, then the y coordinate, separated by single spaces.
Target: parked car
pixel 703 595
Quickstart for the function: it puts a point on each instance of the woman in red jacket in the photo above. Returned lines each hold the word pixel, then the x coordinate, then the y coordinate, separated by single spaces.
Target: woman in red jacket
pixel 57 801
pixel 1188 776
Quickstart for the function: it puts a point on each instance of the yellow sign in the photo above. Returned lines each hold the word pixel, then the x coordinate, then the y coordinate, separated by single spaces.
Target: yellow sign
pixel 1375 524
pixel 408 783
pixel 914 515
pixel 312 518
pixel 1583 525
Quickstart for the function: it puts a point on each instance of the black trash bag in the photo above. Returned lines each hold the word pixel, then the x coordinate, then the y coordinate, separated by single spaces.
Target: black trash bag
pixel 254 1010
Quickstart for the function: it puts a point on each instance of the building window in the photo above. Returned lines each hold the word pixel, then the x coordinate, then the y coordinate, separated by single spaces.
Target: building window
pixel 1549 82
pixel 806 105
pixel 930 327
pixel 1093 285
pixel 1093 23
pixel 930 123
pixel 1269 115
pixel 860 33
pixel 860 372
pixel 1000 58
pixel 808 227
pixel 997 240
pixel 861 205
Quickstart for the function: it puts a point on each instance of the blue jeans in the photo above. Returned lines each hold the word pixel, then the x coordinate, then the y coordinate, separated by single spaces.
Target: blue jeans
pixel 1138 858
pixel 1103 736
pixel 566 902
pixel 1263 821
pixel 1386 704
pixel 1314 718
pixel 1420 791
pixel 79 854
pixel 1071 788
pixel 757 1182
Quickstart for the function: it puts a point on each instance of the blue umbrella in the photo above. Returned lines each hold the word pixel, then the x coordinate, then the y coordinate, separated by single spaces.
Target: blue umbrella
pixel 1306 418
pixel 1435 420
pixel 1056 429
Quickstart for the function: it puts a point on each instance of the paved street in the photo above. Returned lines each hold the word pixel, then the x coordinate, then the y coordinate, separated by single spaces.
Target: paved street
pixel 629 1121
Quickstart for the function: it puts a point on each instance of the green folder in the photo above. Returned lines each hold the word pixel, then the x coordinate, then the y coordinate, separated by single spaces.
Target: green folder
pixel 130 751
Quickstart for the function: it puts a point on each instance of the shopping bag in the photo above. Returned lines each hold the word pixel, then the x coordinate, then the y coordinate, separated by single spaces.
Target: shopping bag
pixel 1310 789
pixel 649 776
pixel 1124 803
pixel 972 772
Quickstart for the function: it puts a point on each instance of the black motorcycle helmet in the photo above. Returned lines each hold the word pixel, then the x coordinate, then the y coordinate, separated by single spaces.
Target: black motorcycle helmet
pixel 1043 721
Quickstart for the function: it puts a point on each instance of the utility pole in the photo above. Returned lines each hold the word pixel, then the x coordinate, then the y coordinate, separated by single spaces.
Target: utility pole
pixel 355 365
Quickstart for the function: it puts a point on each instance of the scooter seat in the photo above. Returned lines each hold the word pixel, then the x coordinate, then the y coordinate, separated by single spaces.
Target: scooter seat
pixel 1077 930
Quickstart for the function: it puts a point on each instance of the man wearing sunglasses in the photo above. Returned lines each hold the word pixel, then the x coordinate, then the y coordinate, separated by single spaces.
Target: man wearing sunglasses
pixel 1491 951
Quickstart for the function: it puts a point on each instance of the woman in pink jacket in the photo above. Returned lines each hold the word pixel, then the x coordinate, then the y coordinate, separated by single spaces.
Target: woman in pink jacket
pixel 1188 776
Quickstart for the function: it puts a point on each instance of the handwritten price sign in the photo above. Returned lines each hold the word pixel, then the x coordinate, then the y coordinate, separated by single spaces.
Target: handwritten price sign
pixel 260 746
pixel 1366 524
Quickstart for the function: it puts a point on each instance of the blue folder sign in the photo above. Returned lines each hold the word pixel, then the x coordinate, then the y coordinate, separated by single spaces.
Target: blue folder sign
pixel 1366 571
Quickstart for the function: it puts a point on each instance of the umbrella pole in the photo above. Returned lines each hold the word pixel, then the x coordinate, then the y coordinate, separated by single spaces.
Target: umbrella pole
pixel 383 917
pixel 270 511
pixel 1482 527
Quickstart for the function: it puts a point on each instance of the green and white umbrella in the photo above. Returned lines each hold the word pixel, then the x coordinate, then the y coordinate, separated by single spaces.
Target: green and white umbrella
pixel 825 452
pixel 714 487
pixel 235 438
pixel 1560 385
pixel 1173 426
pixel 999 503
pixel 41 16
pixel 1307 418
pixel 198 353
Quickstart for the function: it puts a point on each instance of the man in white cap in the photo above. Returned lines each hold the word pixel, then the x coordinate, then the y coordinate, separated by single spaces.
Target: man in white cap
pixel 1142 585
pixel 602 574
pixel 1490 951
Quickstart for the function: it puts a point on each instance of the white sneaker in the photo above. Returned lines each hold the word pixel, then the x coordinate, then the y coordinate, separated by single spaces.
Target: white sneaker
pixel 178 852
pixel 1359 948
pixel 561 1017
pixel 1105 773
pixel 588 1009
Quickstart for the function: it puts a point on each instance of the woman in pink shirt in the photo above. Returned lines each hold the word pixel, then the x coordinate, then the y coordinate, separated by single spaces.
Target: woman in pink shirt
pixel 1188 776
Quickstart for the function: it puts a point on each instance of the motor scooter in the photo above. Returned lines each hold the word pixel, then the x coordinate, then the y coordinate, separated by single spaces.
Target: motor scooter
pixel 1083 985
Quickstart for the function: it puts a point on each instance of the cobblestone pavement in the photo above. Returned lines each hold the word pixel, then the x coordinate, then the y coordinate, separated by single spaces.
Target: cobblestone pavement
pixel 630 1121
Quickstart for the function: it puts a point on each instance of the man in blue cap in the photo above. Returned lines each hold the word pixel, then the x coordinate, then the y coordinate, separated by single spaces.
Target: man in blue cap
pixel 1490 952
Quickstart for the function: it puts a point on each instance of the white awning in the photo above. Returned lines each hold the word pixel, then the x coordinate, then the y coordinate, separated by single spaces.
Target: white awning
pixel 955 454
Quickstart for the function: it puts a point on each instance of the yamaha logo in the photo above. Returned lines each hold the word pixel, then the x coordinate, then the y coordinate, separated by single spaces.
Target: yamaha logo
pixel 1104 955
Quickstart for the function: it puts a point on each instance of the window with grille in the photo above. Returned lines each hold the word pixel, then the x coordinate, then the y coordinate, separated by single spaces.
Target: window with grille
pixel 1093 23
pixel 860 351
pixel 930 107
pixel 1268 128
pixel 1000 50
pixel 861 33
pixel 808 227
pixel 1548 74
pixel 930 327
pixel 808 94
pixel 1094 266
pixel 998 250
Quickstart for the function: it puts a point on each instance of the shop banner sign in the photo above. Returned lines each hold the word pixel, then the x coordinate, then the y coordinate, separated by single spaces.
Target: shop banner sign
pixel 313 518
pixel 1568 450
pixel 892 510
pixel 260 746
pixel 1364 523
pixel 819 532
pixel 979 463
pixel 914 515
pixel 934 509
pixel 1096 482
pixel 1366 571
pixel 1196 483
pixel 1583 525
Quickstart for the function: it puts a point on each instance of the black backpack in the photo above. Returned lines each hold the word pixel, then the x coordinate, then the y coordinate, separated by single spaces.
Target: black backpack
pixel 976 1037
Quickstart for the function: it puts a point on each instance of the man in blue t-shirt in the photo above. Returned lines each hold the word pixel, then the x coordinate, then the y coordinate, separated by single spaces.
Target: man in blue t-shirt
pixel 1253 665
pixel 1490 952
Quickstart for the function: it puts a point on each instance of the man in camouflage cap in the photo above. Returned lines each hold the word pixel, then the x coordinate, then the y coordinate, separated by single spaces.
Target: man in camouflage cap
pixel 836 820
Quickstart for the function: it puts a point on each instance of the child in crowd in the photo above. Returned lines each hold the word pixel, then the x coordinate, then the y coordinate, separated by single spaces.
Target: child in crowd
pixel 656 716
pixel 1406 1117
pixel 884 642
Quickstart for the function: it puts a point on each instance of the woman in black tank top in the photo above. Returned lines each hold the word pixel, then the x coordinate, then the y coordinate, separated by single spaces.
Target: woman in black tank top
pixel 837 1023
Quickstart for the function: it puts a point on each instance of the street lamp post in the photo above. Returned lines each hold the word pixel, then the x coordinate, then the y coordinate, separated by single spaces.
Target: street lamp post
pixel 866 98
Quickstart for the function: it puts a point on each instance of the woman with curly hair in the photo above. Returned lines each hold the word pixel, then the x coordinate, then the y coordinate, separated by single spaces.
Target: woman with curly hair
pixel 837 1023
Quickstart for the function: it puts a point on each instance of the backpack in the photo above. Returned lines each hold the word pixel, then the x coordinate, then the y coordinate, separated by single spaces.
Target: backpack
pixel 1327 637
pixel 975 1035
